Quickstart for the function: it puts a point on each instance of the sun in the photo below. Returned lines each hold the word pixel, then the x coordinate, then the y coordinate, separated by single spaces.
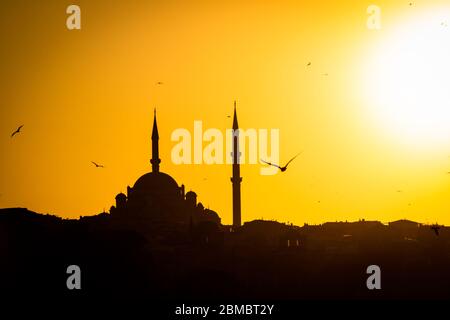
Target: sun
pixel 408 81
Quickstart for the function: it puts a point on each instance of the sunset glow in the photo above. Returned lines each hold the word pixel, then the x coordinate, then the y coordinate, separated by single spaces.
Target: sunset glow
pixel 408 83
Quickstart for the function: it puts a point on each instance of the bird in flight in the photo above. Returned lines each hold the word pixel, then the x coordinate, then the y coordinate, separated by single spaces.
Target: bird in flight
pixel 435 228
pixel 17 131
pixel 97 165
pixel 159 83
pixel 309 63
pixel 282 169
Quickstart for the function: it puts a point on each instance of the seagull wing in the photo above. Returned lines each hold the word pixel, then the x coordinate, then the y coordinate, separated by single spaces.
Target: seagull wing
pixel 17 131
pixel 271 164
pixel 292 159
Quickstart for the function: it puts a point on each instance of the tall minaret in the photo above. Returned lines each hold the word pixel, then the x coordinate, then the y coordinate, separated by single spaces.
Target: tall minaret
pixel 155 161
pixel 236 179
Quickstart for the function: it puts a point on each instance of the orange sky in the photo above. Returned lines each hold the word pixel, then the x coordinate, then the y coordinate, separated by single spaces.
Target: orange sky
pixel 88 95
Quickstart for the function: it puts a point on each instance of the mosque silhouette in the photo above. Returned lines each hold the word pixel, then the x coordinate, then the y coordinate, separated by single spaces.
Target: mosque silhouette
pixel 156 199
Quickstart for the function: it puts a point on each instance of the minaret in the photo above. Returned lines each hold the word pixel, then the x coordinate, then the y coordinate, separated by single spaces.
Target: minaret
pixel 236 179
pixel 155 161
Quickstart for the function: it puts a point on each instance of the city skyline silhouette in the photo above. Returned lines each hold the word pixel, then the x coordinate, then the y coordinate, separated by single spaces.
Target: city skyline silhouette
pixel 199 152
pixel 192 66
pixel 157 231
pixel 236 179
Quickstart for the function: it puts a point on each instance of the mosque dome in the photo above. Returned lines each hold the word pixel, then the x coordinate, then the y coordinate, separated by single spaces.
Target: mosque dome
pixel 191 194
pixel 157 183
pixel 121 196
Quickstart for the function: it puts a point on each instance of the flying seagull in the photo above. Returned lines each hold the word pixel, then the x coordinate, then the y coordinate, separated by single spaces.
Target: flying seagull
pixel 282 169
pixel 97 165
pixel 17 131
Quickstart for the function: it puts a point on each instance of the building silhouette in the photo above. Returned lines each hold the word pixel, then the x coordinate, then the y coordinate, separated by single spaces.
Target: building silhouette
pixel 156 204
pixel 236 179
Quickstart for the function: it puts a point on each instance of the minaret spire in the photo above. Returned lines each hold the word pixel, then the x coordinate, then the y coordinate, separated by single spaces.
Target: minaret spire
pixel 236 179
pixel 235 121
pixel 155 161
